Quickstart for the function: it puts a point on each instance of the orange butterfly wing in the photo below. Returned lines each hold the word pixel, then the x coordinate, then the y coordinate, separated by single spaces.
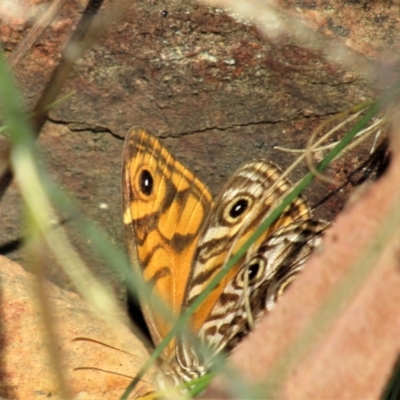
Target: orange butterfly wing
pixel 164 206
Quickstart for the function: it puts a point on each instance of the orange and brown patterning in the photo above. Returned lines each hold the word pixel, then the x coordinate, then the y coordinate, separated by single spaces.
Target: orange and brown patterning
pixel 178 238
pixel 164 208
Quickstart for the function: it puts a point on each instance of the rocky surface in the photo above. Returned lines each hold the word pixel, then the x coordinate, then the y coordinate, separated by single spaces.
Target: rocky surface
pixel 218 91
pixel 214 87
pixel 25 365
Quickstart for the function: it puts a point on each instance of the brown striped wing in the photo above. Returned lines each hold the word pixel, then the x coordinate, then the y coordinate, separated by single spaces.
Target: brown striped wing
pixel 248 197
pixel 164 207
pixel 260 281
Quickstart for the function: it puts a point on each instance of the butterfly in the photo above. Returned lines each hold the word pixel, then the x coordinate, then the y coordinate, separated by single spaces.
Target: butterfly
pixel 179 237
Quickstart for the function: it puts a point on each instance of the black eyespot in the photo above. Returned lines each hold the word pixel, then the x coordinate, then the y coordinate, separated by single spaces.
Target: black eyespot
pixel 253 271
pixel 164 13
pixel 238 208
pixel 146 182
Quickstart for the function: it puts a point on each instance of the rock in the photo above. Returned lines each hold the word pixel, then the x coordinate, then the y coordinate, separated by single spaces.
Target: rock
pixel 216 90
pixel 25 365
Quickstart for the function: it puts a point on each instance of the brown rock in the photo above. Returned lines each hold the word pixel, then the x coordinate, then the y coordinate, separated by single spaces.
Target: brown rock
pixel 25 366
pixel 217 90
pixel 219 93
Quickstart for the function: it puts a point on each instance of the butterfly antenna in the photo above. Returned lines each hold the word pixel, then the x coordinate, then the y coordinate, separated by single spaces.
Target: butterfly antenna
pixel 84 339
